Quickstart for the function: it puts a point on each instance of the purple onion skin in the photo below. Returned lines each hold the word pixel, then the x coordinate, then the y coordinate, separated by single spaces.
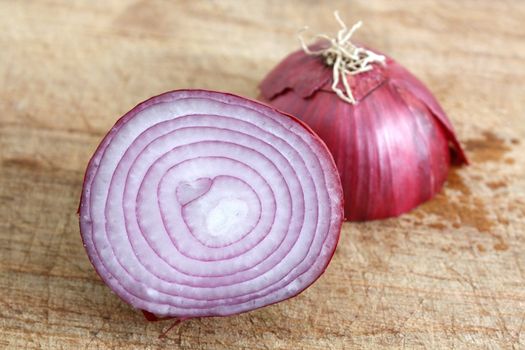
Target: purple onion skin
pixel 393 149
pixel 114 255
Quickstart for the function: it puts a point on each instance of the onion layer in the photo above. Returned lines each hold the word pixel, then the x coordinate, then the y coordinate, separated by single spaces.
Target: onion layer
pixel 200 203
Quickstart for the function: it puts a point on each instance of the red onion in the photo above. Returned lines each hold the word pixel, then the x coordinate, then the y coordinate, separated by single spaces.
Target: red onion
pixel 201 203
pixel 389 137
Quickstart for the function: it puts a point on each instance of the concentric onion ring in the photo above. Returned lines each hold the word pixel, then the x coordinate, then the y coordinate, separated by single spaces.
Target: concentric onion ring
pixel 201 203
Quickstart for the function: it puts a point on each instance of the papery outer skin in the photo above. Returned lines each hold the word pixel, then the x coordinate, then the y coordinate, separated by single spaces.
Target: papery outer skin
pixel 391 148
pixel 152 294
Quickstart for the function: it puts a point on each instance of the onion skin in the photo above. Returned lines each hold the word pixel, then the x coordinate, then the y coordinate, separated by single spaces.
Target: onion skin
pixel 393 148
pixel 159 258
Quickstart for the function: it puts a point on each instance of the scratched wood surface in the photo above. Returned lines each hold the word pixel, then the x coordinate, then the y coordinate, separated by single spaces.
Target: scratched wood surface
pixel 448 275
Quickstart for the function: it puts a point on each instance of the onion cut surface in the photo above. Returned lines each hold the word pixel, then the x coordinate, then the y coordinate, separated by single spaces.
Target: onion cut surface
pixel 201 203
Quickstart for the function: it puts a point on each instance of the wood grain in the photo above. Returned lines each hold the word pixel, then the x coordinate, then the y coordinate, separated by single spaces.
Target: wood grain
pixel 451 274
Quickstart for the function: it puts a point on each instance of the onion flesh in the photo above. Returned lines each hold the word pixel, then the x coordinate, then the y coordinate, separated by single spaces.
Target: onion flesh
pixel 201 203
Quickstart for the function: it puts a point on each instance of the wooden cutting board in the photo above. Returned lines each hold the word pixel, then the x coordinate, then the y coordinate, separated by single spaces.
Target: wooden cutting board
pixel 451 274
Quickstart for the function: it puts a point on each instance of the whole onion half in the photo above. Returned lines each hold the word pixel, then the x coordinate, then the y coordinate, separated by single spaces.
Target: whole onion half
pixel 200 203
pixel 392 144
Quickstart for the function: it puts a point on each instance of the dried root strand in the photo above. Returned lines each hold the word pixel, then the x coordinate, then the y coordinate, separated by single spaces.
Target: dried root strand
pixel 344 57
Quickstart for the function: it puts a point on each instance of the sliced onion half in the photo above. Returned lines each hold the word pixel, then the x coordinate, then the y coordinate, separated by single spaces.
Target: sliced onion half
pixel 201 203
